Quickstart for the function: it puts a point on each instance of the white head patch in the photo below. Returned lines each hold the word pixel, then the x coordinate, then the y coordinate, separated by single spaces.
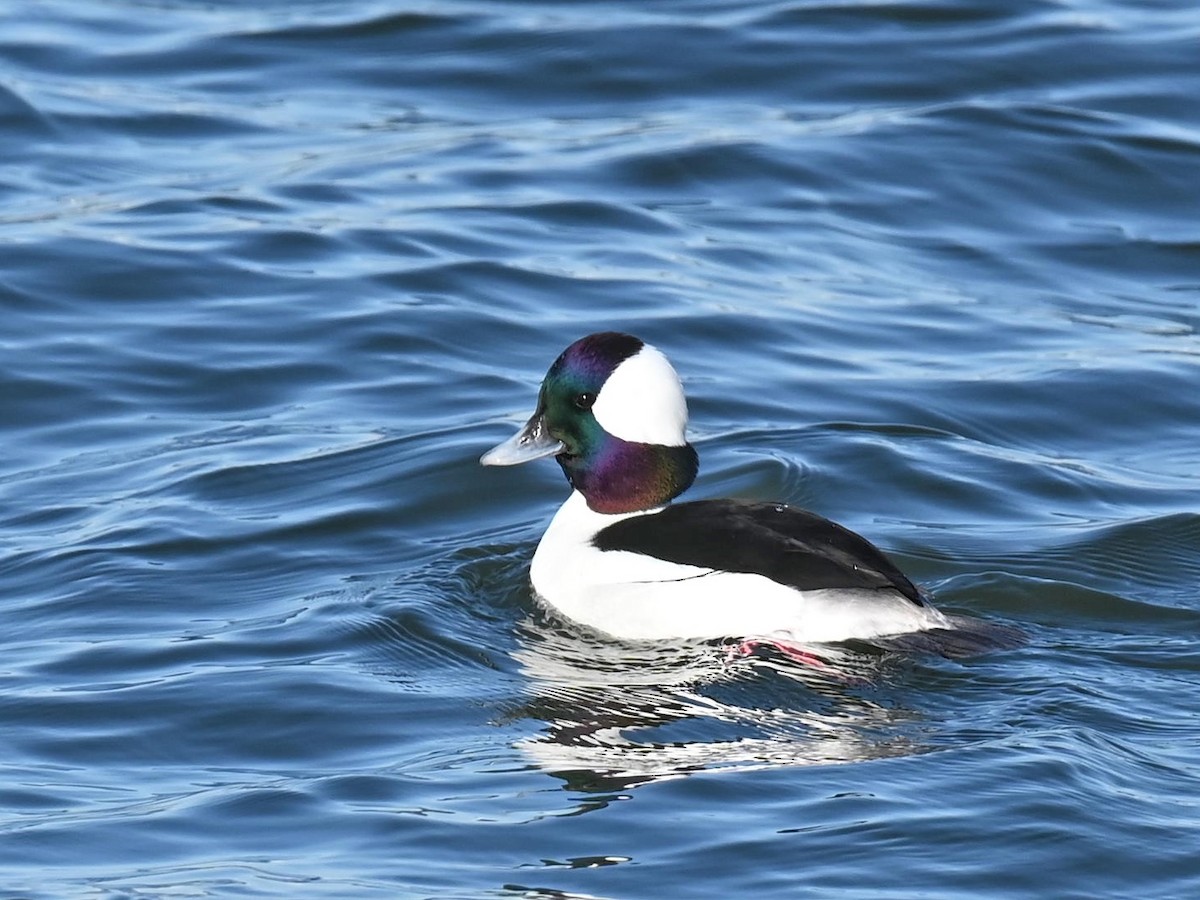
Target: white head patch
pixel 643 401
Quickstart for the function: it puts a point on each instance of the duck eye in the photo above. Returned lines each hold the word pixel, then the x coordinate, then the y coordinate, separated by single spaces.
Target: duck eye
pixel 585 400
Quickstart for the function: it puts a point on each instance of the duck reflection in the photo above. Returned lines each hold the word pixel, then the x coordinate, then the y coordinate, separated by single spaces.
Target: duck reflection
pixel 619 714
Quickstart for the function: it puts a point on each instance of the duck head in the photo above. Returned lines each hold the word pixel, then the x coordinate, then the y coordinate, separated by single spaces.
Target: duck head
pixel 612 412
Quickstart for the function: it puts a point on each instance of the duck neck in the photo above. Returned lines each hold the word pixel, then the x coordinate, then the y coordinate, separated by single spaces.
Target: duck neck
pixel 626 476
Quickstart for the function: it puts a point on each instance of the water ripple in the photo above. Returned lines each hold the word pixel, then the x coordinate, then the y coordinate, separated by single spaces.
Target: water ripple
pixel 275 274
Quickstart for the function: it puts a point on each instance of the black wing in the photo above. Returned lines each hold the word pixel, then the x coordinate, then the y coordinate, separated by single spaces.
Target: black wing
pixel 791 546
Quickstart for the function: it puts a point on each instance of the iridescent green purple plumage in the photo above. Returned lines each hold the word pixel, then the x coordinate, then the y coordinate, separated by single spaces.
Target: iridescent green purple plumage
pixel 615 475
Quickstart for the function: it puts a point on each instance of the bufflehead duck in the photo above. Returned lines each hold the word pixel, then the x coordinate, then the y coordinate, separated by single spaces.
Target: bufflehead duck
pixel 620 557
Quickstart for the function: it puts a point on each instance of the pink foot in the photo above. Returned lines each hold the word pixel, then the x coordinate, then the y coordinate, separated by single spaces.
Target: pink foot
pixel 748 647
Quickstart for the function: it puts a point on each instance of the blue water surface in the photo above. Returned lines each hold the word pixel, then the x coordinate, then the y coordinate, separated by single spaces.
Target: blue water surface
pixel 274 274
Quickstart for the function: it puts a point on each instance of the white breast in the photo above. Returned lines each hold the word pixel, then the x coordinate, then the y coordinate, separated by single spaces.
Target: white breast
pixel 630 595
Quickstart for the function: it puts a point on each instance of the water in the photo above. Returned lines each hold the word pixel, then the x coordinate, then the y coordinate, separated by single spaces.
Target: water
pixel 274 275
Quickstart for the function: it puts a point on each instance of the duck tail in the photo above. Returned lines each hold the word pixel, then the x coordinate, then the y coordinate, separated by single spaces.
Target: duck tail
pixel 964 636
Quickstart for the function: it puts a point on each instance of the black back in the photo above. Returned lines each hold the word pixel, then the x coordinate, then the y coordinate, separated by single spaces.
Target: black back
pixel 794 547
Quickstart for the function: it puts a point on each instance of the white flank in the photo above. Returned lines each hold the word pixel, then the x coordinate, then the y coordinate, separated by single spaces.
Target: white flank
pixel 629 595
pixel 643 401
